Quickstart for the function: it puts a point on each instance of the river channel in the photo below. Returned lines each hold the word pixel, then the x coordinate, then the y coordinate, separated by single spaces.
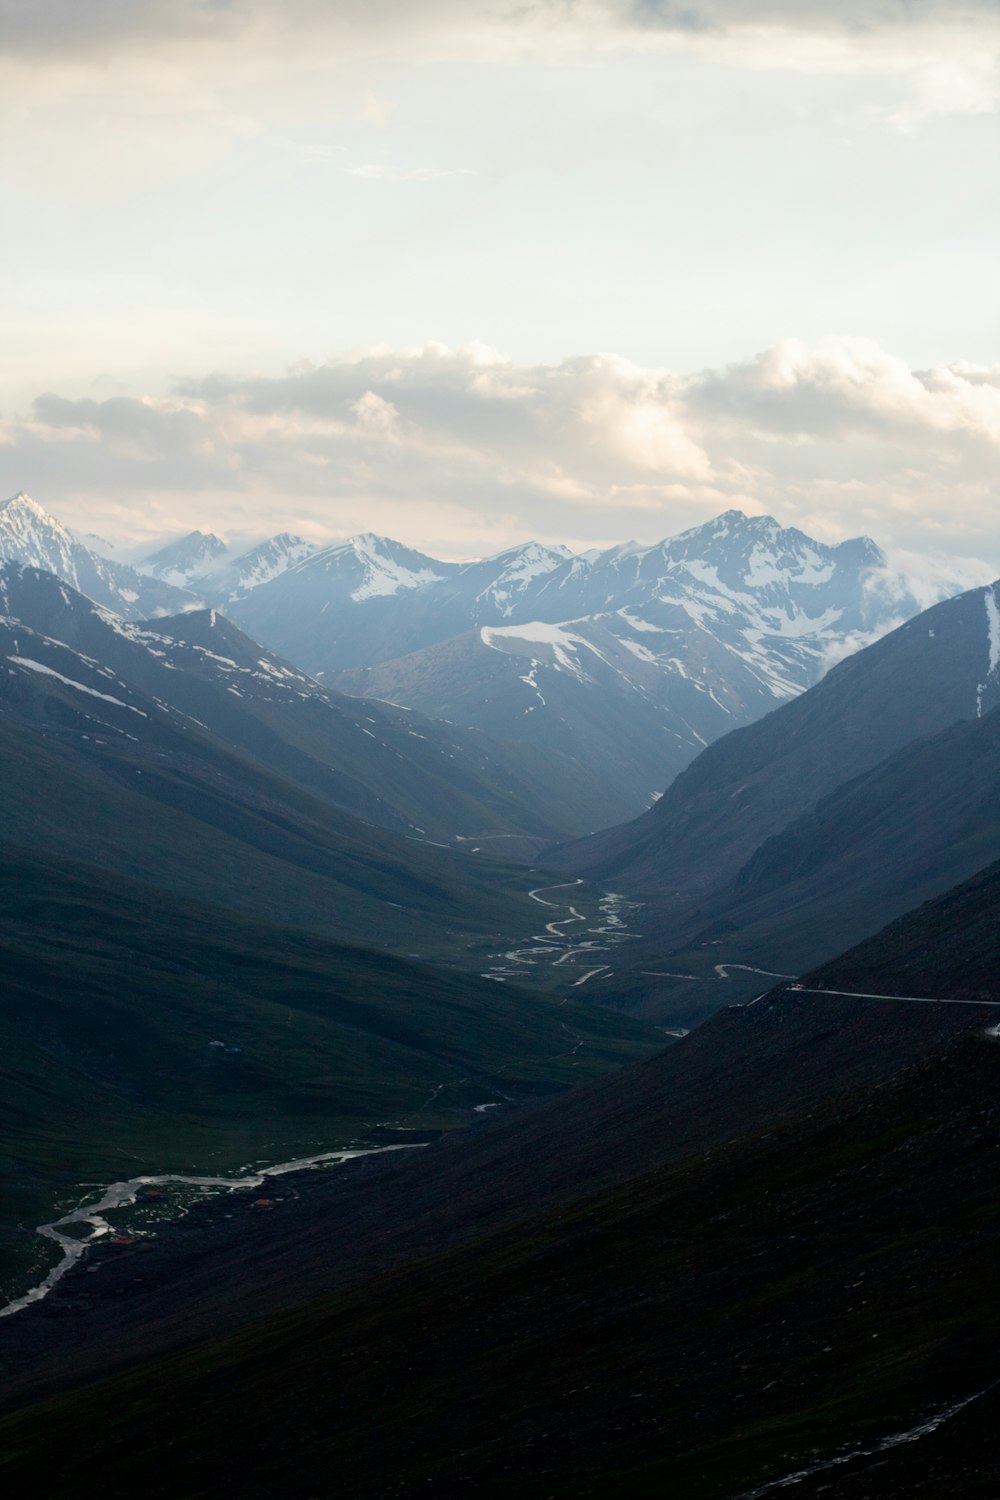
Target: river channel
pixel 77 1231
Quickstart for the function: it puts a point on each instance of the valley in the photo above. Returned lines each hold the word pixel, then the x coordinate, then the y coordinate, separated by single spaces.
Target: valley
pixel 329 1026
pixel 500 750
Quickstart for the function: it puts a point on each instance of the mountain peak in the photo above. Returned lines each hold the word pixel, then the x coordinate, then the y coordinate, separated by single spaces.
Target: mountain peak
pixel 23 503
pixel 29 534
pixel 384 566
pixel 371 544
pixel 733 524
pixel 195 544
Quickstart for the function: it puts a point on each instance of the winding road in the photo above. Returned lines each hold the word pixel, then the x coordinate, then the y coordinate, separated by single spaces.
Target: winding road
pixel 906 999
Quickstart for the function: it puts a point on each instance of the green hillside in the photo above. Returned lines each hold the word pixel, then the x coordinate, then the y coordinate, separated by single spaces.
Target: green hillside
pixel 114 993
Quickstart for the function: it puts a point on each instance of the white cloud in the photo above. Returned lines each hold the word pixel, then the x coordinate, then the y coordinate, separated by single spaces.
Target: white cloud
pixel 377 416
pixel 445 446
pixel 946 47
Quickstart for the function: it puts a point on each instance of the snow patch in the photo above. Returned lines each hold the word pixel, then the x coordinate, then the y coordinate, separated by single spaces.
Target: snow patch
pixel 37 666
pixel 562 642
pixel 384 575
pixel 993 642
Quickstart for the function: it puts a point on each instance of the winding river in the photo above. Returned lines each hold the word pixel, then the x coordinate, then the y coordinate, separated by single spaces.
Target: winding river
pixel 90 1224
pixel 555 949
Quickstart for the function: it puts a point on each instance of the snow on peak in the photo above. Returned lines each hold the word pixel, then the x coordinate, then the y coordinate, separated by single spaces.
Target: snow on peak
pixel 388 567
pixel 23 501
pixel 21 510
pixel 265 561
pixel 370 544
pixel 516 570
pixel 189 557
pixel 28 534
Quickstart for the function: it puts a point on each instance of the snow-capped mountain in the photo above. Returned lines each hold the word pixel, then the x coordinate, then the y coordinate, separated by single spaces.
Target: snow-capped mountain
pixel 203 562
pixel 28 534
pixel 262 563
pixel 509 578
pixel 632 659
pixel 186 560
pixel 341 604
pixel 370 599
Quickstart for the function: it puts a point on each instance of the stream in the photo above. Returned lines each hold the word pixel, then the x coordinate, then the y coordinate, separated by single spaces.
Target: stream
pixel 84 1226
pixel 554 948
pixel 90 1217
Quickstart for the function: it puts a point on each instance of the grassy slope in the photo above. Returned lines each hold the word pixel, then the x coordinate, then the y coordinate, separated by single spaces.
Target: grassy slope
pixel 219 828
pixel 113 993
pixel 698 1329
pixel 947 947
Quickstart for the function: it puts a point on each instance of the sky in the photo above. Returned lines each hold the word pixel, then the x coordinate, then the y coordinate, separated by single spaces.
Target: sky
pixel 465 273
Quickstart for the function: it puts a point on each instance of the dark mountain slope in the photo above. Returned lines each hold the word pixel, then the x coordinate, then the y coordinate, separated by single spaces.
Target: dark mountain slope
pixel 384 764
pixel 116 998
pixel 925 819
pixel 958 1459
pixel 719 1322
pixel 591 689
pixel 949 946
pixel 181 813
pixel 938 668
pixel 743 1070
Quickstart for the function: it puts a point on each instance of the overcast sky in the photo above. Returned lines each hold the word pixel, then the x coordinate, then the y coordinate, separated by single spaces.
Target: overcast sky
pixel 466 273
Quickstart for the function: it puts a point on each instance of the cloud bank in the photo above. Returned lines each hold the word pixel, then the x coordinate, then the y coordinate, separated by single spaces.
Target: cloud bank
pixel 66 26
pixel 948 47
pixel 464 451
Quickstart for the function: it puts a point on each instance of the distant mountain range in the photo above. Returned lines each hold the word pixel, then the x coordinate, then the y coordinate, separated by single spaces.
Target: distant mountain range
pixel 193 690
pixel 629 660
pixel 204 564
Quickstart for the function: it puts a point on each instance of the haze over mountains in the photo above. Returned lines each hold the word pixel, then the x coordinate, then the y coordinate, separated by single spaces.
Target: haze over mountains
pixel 632 659
pixel 785 840
pixel 28 534
pixel 203 563
pixel 629 660
pixel 190 702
